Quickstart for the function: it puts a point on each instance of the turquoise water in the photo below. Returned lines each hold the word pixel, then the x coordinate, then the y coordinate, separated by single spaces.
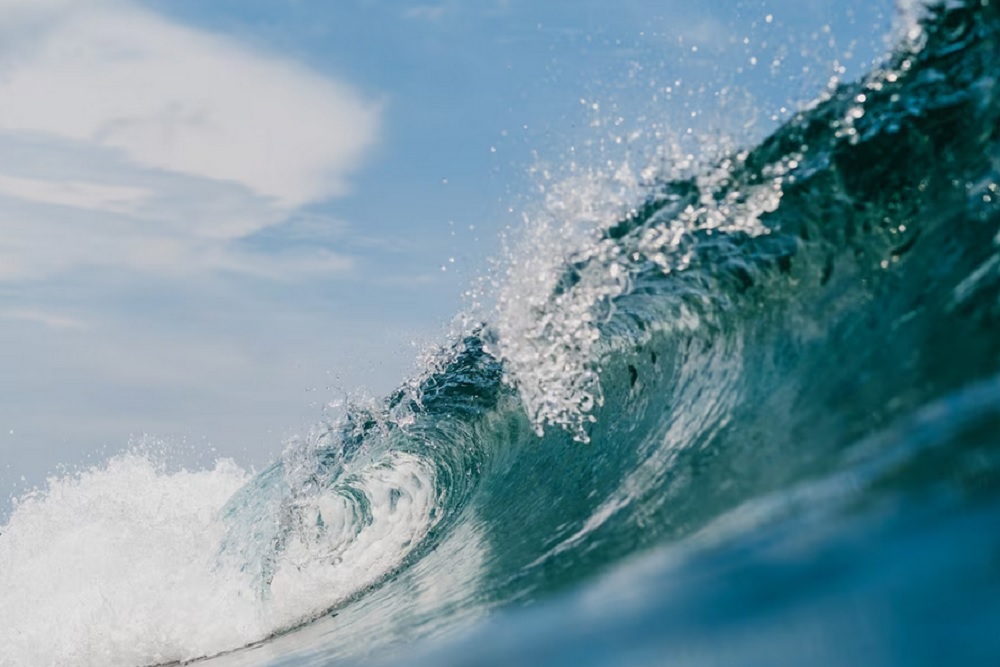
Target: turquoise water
pixel 755 420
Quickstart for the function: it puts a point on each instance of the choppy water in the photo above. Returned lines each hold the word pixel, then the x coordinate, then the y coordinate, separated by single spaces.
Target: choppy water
pixel 755 420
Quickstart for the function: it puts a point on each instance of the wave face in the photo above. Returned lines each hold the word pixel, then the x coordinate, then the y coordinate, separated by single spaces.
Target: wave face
pixel 756 418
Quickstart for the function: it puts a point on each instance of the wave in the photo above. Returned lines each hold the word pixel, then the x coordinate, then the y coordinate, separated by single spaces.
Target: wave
pixel 820 305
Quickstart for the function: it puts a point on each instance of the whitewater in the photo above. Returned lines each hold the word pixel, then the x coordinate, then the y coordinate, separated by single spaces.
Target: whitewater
pixel 748 414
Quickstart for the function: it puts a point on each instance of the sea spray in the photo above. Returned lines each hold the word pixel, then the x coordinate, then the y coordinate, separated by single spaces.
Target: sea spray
pixel 745 412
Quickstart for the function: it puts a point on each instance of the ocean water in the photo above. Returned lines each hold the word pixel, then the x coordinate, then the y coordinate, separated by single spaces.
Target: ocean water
pixel 753 418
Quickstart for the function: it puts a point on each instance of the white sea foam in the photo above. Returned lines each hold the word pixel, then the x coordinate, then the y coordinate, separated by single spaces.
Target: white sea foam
pixel 120 565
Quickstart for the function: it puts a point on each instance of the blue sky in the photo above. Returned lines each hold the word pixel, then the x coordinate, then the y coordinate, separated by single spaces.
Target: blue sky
pixel 215 217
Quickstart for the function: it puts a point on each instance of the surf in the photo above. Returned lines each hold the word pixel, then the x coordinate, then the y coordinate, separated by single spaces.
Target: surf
pixel 775 336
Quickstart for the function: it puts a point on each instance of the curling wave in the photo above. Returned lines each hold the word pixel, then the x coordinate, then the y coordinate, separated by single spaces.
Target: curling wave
pixel 808 325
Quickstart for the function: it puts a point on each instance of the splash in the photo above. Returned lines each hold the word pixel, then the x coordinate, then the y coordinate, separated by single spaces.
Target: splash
pixel 791 345
pixel 126 557
pixel 116 566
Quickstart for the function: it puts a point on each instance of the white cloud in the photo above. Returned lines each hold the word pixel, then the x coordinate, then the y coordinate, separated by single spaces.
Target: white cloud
pixel 41 240
pixel 184 139
pixel 77 194
pixel 179 99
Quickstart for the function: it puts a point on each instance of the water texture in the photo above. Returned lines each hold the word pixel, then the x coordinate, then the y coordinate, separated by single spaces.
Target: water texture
pixel 754 420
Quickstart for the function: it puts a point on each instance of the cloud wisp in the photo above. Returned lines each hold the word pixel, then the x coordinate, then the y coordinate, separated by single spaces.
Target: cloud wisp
pixel 129 141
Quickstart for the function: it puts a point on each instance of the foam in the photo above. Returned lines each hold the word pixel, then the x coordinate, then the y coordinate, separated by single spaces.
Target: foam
pixel 120 565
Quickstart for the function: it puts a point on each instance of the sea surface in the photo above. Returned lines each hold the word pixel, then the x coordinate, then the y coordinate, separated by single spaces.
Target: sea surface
pixel 753 419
